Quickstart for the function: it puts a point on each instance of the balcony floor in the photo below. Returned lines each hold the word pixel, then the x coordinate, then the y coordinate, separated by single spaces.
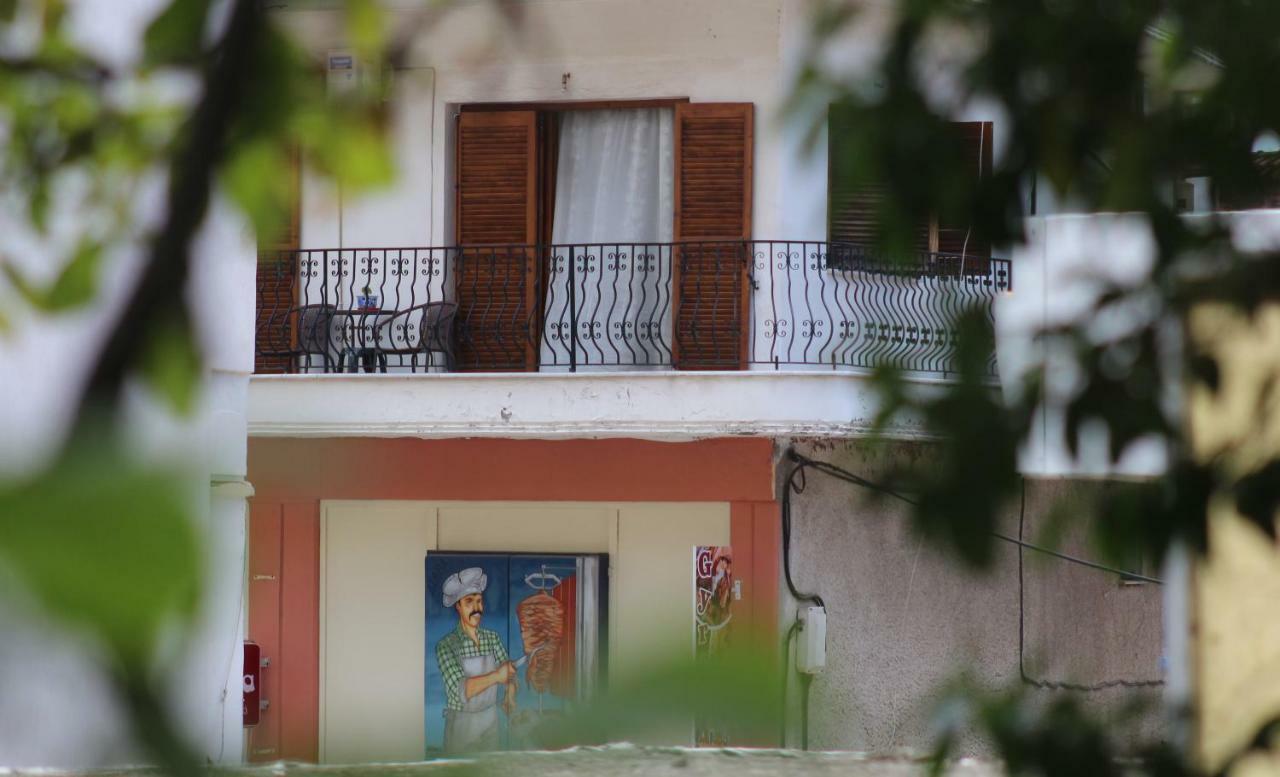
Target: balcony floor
pixel 649 405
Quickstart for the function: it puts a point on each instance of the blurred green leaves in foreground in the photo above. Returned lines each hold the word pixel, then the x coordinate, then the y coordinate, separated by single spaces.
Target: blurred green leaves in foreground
pixel 85 138
pixel 107 546
pixel 1050 736
pixel 219 98
pixel 734 693
pixel 1098 107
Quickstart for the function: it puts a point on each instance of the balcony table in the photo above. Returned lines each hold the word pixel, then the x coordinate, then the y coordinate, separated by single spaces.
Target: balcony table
pixel 355 336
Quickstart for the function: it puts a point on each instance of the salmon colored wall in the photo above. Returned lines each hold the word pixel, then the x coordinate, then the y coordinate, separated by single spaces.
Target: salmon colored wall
pixel 722 470
pixel 291 477
pixel 284 607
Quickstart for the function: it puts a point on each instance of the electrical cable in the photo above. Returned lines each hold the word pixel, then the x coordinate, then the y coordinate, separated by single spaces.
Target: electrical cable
pixel 1056 685
pixel 793 487
pixel 850 477
pixel 796 483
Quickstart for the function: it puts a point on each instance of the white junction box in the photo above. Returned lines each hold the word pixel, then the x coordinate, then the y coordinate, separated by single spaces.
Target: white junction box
pixel 346 73
pixel 811 642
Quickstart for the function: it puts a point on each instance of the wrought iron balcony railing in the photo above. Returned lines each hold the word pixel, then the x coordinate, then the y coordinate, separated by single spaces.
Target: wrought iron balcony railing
pixel 726 305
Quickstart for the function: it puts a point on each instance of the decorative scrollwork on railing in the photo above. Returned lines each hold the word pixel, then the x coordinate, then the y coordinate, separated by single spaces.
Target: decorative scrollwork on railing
pixel 770 303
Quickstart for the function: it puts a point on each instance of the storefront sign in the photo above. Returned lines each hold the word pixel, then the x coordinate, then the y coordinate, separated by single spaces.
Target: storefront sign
pixel 712 612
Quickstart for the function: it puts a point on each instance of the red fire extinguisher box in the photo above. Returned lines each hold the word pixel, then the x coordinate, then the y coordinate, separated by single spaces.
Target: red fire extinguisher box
pixel 252 683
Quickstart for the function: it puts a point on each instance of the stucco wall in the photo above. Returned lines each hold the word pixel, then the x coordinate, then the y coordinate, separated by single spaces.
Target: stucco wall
pixel 904 619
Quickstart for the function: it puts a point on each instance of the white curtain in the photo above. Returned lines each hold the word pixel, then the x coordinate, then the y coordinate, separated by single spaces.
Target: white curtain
pixel 608 303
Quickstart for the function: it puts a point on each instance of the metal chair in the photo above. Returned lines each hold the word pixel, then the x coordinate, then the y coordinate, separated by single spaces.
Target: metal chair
pixel 435 333
pixel 315 334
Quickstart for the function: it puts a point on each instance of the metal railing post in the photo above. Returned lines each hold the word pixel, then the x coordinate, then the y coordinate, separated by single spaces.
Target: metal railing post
pixel 573 311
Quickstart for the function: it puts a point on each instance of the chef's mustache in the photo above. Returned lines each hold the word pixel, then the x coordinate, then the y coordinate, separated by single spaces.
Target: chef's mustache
pixel 474 612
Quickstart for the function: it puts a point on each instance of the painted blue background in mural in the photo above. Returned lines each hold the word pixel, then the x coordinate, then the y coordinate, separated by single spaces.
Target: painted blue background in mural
pixel 507 587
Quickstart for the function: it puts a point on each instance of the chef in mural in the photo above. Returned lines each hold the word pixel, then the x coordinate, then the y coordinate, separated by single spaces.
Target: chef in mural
pixel 474 664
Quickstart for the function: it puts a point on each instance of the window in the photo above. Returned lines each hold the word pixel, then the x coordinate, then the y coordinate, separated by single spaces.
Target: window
pixel 852 212
pixel 507 193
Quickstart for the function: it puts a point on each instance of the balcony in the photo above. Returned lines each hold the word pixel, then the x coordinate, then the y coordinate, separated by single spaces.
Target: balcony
pixel 739 305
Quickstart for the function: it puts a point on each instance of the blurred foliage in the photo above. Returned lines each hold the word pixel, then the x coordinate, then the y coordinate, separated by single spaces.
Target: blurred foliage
pixel 108 547
pixel 106 544
pixel 1055 736
pixel 959 495
pixel 83 137
pixel 217 96
pixel 736 693
pixel 1049 736
pixel 1105 105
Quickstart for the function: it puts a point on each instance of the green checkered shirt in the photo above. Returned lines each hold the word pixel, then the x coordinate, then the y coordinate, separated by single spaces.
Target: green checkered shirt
pixel 455 646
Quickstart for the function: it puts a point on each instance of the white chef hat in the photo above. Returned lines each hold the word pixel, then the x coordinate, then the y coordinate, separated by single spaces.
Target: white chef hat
pixel 471 580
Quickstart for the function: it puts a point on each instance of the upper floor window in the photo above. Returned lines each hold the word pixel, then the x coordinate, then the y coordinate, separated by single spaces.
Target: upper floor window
pixel 852 212
pixel 588 200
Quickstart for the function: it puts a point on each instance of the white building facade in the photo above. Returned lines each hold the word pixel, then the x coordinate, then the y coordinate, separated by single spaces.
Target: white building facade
pixel 590 317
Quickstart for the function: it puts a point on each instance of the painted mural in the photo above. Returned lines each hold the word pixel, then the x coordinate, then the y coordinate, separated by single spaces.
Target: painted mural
pixel 509 638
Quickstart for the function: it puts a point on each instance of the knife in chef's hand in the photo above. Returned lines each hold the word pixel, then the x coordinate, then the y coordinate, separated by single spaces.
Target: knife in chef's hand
pixel 522 660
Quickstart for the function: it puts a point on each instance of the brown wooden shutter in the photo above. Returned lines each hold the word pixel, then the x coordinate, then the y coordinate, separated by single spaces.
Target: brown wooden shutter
pixel 710 273
pixel 277 263
pixel 958 240
pixel 853 211
pixel 497 227
pixel 1267 196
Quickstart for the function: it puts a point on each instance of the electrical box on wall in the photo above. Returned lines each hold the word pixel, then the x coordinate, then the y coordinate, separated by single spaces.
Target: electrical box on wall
pixel 811 642
pixel 345 73
pixel 252 690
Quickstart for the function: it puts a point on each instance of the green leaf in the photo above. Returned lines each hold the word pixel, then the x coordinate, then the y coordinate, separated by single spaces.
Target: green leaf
pixel 366 28
pixel 362 158
pixel 1258 496
pixel 104 545
pixel 171 365
pixel 78 282
pixel 259 178
pixel 176 36
pixel 8 10
pixel 38 205
pixel 74 287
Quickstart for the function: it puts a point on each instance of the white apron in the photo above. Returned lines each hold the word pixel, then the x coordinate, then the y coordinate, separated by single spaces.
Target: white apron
pixel 475 727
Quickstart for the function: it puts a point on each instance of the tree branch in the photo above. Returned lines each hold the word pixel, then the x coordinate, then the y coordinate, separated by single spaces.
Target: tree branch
pixel 158 300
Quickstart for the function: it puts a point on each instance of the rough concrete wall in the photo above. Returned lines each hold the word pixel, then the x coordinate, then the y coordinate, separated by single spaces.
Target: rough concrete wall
pixel 904 619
